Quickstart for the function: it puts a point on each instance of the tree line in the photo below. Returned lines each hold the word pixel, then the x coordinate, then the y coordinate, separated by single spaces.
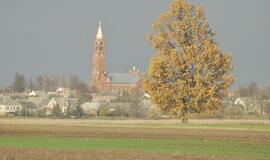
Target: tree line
pixel 253 90
pixel 45 82
pixel 49 83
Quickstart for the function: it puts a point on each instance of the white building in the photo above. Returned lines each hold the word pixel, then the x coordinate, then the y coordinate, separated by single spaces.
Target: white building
pixel 91 107
pixel 38 94
pixel 63 103
pixel 9 106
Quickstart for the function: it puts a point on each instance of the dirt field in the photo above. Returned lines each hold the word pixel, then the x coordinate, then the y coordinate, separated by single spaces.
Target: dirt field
pixel 44 154
pixel 238 135
pixel 90 122
pixel 122 132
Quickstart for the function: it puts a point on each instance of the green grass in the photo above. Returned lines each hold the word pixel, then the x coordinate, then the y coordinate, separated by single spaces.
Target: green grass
pixel 241 150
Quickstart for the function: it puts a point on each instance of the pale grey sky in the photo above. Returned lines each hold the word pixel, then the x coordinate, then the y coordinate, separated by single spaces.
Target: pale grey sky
pixel 56 36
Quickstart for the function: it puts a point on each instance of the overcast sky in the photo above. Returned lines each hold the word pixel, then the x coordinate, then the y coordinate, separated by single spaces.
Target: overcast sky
pixel 56 36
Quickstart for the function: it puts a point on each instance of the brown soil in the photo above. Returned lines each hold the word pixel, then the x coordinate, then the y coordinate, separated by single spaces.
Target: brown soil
pixel 85 129
pixel 46 154
pixel 87 122
pixel 118 132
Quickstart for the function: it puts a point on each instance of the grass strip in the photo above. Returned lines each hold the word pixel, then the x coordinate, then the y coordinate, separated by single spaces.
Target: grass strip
pixel 259 151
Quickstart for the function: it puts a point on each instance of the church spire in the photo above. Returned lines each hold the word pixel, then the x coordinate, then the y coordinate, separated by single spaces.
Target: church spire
pixel 99 33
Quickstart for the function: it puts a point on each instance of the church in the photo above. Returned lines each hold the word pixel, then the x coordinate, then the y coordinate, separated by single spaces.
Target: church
pixel 104 82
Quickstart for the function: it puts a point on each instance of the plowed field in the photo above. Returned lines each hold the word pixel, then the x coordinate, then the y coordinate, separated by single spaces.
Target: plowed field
pixel 133 139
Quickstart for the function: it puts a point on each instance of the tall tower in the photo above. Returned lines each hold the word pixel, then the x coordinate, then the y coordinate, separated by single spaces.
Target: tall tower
pixel 99 72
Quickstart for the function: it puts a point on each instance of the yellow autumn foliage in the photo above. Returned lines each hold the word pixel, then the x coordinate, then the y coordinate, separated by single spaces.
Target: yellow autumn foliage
pixel 189 73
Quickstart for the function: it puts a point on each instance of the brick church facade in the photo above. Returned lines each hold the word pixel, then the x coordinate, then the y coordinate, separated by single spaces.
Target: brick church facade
pixel 104 82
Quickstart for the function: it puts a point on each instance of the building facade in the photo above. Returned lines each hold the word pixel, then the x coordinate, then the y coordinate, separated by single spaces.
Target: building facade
pixel 104 82
pixel 9 106
pixel 63 103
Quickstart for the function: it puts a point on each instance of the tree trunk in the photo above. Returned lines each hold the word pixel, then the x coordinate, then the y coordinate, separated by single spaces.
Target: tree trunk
pixel 184 117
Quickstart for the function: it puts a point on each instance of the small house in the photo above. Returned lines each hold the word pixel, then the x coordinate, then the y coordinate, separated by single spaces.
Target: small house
pixel 9 106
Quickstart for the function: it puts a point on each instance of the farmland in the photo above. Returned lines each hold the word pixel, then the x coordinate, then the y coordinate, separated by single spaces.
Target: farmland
pixel 134 139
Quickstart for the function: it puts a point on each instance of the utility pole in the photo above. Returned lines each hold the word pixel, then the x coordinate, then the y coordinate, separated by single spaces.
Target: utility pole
pixel 5 104
pixel 26 110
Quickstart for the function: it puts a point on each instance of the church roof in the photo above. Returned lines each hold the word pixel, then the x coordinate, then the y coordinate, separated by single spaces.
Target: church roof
pixel 123 78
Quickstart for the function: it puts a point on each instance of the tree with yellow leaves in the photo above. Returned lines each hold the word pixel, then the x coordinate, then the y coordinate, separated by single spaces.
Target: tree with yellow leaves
pixel 189 73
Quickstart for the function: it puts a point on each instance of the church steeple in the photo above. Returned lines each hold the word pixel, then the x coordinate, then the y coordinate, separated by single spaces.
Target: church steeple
pixel 99 33
pixel 99 72
pixel 103 82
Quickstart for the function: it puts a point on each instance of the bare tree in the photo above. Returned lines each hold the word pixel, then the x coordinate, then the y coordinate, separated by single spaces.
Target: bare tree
pixel 19 83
